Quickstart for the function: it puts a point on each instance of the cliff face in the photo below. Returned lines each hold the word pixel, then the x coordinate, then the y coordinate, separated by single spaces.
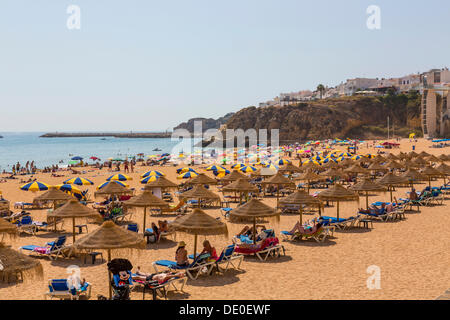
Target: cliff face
pixel 348 117
pixel 206 123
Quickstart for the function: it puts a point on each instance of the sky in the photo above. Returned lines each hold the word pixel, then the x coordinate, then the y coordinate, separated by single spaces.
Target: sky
pixel 149 65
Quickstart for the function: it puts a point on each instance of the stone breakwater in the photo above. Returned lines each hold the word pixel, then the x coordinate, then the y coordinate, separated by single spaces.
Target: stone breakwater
pixel 108 134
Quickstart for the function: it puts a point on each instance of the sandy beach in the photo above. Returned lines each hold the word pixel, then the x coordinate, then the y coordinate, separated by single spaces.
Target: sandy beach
pixel 413 254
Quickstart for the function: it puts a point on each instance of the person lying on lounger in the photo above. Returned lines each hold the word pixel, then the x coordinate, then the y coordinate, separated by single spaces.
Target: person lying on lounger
pixel 161 277
pixel 304 229
pixel 249 232
pixel 375 210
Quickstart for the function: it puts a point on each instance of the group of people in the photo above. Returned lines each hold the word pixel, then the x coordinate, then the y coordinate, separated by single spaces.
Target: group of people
pixel 29 168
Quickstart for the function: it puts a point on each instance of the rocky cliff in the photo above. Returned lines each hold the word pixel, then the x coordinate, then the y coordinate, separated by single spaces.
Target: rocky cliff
pixel 347 117
pixel 206 123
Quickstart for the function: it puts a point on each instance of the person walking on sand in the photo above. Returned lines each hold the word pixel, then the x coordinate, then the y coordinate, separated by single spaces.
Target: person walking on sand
pixel 132 166
pixel 125 166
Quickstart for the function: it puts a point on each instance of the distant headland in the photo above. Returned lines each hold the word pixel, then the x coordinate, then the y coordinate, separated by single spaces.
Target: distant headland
pixel 107 134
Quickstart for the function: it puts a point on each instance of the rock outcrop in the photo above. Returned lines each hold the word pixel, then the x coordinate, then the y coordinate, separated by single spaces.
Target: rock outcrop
pixel 206 123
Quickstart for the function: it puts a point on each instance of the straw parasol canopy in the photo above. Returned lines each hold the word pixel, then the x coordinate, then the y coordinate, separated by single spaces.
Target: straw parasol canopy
pixel 289 167
pixel 410 164
pixel 233 176
pixel 444 169
pixel 331 164
pixel 333 173
pixel 53 194
pixel 112 189
pixel 377 167
pixel 392 156
pixel 203 179
pixel 394 165
pixel 199 223
pixel 420 161
pixel 444 157
pixel 252 210
pixel 199 192
pixel 432 158
pixel 162 182
pixel 301 198
pixel 242 186
pixel 110 237
pixel 413 175
pixel 14 264
pixel 338 193
pixel 280 179
pixel 72 210
pixel 309 166
pixel 431 172
pixel 357 169
pixel 391 180
pixel 424 154
pixel 309 176
pixel 146 200
pixel 7 228
pixel 367 185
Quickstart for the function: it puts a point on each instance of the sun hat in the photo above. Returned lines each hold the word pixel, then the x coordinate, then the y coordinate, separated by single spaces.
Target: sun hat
pixel 182 244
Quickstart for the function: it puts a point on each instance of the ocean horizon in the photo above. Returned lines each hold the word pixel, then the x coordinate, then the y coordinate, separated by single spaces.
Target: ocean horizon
pixel 28 146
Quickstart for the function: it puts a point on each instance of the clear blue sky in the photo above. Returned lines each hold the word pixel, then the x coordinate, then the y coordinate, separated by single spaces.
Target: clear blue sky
pixel 148 65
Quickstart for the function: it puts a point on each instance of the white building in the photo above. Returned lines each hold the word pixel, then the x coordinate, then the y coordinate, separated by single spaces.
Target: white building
pixel 435 111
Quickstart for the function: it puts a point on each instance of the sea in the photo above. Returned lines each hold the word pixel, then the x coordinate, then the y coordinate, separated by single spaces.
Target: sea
pixel 27 146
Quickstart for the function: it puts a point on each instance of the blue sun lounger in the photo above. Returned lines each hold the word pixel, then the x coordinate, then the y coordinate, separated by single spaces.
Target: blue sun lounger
pixel 192 270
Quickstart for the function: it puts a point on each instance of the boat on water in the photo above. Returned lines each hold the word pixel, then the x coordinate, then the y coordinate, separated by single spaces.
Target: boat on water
pixel 157 149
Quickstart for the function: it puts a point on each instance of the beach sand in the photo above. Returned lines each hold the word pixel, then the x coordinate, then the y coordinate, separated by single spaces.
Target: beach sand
pixel 413 254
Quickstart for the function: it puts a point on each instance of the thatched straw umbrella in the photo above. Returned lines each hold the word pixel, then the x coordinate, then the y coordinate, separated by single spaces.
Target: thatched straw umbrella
pixel 112 189
pixel 412 154
pixel 444 157
pixel 331 165
pixel 377 167
pixel 333 173
pixel 110 237
pixel 199 192
pixel 14 263
pixel 394 165
pixel 413 175
pixel 390 180
pixel 431 172
pixel 146 200
pixel 379 158
pixel 290 168
pixel 7 228
pixel 242 186
pixel 279 180
pixel 252 210
pixel 444 169
pixel 420 161
pixel 424 154
pixel 199 223
pixel 162 182
pixel 309 166
pixel 264 172
pixel 233 176
pixel 357 169
pixel 432 158
pixel 301 198
pixel 53 194
pixel 309 176
pixel 367 185
pixel 338 193
pixel 392 156
pixel 410 164
pixel 203 179
pixel 73 210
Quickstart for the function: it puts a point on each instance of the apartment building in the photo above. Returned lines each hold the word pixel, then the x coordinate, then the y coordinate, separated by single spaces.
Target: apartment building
pixel 435 111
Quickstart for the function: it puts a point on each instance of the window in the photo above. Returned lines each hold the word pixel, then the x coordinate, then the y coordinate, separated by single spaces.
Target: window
pixel 437 77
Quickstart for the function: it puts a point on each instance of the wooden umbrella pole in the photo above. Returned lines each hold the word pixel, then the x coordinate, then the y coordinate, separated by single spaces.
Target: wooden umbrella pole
pixel 73 229
pixel 195 246
pixel 429 182
pixel 301 214
pixel 254 230
pixel 145 218
pixel 391 195
pixel 337 209
pixel 109 275
pixel 367 200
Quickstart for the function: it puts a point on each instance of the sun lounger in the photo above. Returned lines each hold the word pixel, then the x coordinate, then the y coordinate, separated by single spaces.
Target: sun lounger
pixel 133 227
pixel 52 249
pixel 269 247
pixel 26 225
pixel 319 235
pixel 157 287
pixel 58 288
pixel 227 257
pixel 198 266
pixel 149 231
